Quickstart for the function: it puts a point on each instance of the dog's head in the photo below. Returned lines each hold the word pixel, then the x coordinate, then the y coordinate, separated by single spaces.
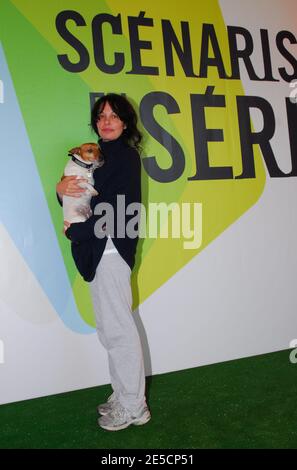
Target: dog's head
pixel 88 152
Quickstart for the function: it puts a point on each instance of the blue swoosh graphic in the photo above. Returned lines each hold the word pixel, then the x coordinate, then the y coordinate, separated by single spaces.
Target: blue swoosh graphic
pixel 24 210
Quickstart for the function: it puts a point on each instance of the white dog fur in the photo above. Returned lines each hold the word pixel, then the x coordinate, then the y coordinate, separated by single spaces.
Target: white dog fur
pixel 77 209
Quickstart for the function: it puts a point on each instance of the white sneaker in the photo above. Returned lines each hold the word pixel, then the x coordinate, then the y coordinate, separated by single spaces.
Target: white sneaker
pixel 106 408
pixel 120 418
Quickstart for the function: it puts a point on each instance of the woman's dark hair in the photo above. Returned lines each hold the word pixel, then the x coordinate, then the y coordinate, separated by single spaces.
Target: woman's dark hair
pixel 124 109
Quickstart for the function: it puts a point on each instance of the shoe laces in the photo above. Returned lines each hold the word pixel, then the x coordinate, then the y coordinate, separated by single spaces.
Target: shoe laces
pixel 119 412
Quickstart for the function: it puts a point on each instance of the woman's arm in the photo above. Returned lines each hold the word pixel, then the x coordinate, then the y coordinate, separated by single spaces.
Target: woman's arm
pixel 126 180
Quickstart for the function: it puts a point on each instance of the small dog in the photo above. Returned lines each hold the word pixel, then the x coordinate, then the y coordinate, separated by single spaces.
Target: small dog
pixel 85 159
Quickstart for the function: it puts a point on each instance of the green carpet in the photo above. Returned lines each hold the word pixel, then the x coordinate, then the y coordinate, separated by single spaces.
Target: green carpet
pixel 247 403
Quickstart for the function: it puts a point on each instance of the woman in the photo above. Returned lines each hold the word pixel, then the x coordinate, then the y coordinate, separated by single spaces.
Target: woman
pixel 107 262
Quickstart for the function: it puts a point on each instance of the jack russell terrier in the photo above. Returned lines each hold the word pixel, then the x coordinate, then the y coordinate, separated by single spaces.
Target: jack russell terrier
pixel 85 159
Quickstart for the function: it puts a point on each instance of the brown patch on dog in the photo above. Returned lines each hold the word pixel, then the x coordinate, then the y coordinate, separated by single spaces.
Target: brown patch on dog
pixel 89 152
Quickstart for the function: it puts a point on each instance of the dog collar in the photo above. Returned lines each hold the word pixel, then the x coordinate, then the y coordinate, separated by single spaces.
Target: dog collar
pixel 80 163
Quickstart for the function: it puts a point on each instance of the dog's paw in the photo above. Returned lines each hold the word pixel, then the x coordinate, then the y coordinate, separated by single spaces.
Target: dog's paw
pixel 84 212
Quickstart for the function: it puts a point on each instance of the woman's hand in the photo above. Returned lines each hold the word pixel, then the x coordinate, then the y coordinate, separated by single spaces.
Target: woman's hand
pixel 69 186
pixel 66 226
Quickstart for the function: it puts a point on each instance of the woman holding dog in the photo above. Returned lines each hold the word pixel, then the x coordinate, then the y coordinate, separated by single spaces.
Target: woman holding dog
pixel 107 262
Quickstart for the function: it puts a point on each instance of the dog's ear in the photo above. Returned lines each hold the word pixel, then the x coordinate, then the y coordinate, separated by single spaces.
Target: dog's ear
pixel 75 150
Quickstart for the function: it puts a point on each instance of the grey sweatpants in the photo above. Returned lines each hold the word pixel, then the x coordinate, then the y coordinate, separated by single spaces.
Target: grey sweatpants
pixel 112 300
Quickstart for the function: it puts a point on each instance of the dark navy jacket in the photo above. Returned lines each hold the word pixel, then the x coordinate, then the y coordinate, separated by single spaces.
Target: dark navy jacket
pixel 120 174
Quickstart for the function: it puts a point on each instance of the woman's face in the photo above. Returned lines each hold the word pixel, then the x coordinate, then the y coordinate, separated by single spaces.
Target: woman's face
pixel 109 125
